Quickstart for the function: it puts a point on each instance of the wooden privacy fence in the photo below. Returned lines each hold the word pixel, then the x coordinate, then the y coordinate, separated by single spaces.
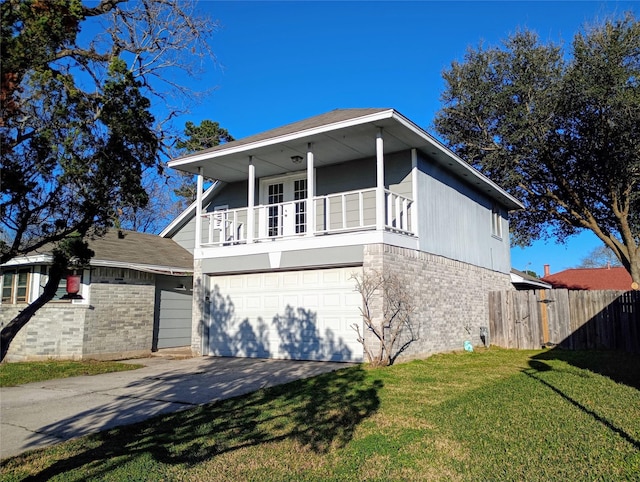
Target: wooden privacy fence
pixel 576 320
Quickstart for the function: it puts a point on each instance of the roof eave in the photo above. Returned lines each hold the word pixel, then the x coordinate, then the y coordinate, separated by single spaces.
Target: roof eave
pixel 185 216
pixel 364 119
pixel 515 203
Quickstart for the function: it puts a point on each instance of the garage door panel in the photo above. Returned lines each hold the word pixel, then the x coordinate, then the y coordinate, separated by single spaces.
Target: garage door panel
pixel 297 315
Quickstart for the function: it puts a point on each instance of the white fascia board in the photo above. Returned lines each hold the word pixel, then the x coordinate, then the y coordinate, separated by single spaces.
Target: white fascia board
pixel 386 114
pixel 303 243
pixel 517 279
pixel 23 260
pixel 438 145
pixel 171 270
pixel 48 259
pixel 187 213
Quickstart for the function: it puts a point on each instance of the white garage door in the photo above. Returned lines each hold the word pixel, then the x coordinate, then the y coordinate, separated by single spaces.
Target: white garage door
pixel 300 315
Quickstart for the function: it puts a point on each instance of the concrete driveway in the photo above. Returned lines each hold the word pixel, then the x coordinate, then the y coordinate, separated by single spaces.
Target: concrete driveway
pixel 45 413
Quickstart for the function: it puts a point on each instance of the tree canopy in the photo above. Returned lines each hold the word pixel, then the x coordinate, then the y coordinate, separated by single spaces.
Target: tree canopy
pixel 196 138
pixel 77 129
pixel 599 257
pixel 78 87
pixel 559 130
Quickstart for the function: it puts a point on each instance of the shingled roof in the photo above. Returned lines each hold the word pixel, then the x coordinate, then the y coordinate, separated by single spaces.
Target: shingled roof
pixel 612 278
pixel 132 247
pixel 332 117
pixel 128 249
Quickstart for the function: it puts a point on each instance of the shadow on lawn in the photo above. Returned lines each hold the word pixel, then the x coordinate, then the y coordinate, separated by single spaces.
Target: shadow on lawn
pixel 621 367
pixel 318 413
pixel 538 367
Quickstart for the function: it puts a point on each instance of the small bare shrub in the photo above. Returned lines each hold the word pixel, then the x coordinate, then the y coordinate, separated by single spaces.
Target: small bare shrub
pixel 390 324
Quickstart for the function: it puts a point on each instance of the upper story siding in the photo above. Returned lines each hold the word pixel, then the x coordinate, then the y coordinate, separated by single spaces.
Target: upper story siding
pixel 455 221
pixel 454 218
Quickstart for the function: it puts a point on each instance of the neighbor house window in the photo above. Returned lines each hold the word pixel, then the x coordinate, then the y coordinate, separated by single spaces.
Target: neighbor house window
pixel 15 285
pixel 496 221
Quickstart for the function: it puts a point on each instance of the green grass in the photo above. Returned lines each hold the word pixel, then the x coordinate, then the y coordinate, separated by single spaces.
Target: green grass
pixel 489 415
pixel 13 374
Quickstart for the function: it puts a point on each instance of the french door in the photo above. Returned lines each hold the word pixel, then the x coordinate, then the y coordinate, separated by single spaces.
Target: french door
pixel 286 211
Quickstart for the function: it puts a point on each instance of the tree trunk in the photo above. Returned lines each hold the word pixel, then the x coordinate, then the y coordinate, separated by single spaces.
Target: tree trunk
pixel 634 270
pixel 10 331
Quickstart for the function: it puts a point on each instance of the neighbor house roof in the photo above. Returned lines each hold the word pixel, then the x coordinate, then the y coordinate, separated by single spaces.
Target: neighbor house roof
pixel 128 249
pixel 612 278
pixel 522 280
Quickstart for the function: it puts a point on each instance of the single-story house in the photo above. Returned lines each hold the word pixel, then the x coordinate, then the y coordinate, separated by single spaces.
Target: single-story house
pixel 135 297
pixel 296 212
pixel 614 278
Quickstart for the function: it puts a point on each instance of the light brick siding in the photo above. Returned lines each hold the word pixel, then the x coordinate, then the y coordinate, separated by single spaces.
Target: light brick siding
pixel 63 325
pixel 451 297
pixel 117 323
pixel 121 323
pixel 199 308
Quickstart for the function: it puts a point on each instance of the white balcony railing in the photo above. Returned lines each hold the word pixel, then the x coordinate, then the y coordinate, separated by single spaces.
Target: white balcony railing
pixel 332 213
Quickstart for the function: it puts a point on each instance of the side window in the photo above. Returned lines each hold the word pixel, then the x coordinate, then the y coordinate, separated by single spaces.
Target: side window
pixel 15 286
pixel 7 286
pixel 496 221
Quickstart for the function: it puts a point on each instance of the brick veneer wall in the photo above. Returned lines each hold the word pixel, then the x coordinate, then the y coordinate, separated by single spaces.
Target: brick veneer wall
pixel 117 323
pixel 199 308
pixel 121 323
pixel 451 297
pixel 63 324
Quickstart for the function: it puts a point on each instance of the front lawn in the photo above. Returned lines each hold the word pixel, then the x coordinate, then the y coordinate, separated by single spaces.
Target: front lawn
pixel 12 374
pixel 489 415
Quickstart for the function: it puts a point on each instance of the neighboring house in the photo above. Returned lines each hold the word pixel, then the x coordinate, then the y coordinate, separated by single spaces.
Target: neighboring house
pixel 608 278
pixel 299 210
pixel 136 298
pixel 524 281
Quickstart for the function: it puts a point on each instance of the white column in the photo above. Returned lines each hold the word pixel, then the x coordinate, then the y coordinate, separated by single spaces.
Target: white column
pixel 311 193
pixel 380 204
pixel 414 193
pixel 198 240
pixel 251 202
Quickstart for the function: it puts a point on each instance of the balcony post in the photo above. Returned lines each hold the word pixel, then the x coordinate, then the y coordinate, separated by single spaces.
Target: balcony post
pixel 414 193
pixel 380 204
pixel 251 202
pixel 311 193
pixel 200 182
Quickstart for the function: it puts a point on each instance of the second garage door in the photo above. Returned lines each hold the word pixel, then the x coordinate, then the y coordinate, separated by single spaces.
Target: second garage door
pixel 300 315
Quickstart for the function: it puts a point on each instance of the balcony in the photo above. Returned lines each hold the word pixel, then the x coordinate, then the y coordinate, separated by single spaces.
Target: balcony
pixel 337 213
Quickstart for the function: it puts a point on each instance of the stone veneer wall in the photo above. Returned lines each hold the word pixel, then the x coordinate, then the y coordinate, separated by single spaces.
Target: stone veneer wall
pixel 117 323
pixel 451 296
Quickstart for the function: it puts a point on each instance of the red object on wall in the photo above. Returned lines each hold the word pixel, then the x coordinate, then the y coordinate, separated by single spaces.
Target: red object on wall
pixel 73 284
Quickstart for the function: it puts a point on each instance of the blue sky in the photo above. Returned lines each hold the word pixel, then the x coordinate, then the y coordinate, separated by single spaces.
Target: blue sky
pixel 279 62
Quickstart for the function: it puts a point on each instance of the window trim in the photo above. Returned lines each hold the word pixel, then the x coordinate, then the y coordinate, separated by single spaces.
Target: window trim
pixel 496 221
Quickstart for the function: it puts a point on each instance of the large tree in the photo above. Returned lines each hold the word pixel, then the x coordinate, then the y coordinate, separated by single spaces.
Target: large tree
pixel 559 130
pixel 77 131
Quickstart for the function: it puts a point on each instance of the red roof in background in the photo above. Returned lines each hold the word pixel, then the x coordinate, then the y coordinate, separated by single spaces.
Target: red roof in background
pixel 591 279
